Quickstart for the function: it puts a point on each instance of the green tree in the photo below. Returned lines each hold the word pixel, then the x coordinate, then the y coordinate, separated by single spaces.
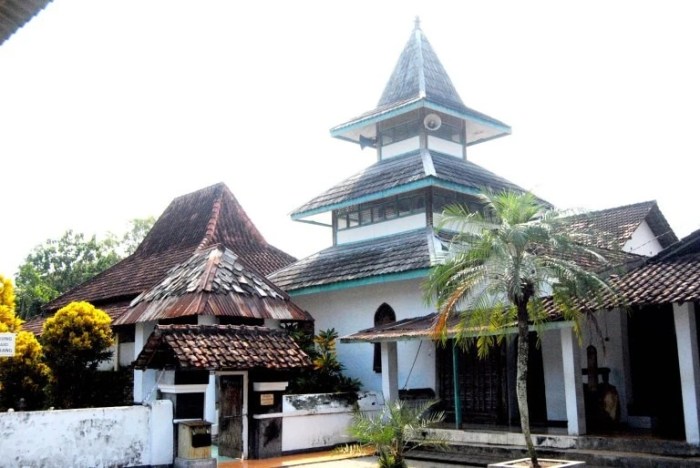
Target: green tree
pixel 138 229
pixel 58 265
pixel 75 340
pixel 396 429
pixel 502 268
pixel 23 376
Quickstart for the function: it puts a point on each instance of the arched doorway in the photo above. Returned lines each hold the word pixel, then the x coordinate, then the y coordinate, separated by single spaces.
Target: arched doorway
pixel 384 314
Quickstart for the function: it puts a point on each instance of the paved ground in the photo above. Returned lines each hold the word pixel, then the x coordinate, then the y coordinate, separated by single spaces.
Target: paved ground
pixel 371 462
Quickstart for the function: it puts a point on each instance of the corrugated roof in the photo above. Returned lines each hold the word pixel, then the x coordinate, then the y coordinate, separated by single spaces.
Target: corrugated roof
pixel 213 281
pixel 401 174
pixel 16 13
pixel 220 347
pixel 400 253
pixel 199 219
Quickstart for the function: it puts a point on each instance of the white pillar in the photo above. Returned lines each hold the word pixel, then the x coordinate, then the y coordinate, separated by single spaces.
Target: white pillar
pixel 390 378
pixel 573 383
pixel 142 379
pixel 687 339
pixel 210 400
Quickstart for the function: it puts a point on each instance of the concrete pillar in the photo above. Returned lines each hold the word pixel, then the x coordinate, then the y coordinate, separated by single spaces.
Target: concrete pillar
pixel 210 400
pixel 390 377
pixel 687 339
pixel 573 383
pixel 143 380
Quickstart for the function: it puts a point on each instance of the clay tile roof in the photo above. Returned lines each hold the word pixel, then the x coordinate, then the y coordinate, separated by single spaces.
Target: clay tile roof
pixel 673 275
pixel 220 347
pixel 615 226
pixel 16 13
pixel 199 219
pixel 213 281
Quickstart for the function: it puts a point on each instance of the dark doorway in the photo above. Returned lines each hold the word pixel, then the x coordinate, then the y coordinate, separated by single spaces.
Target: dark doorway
pixel 656 381
pixel 231 416
pixel 482 383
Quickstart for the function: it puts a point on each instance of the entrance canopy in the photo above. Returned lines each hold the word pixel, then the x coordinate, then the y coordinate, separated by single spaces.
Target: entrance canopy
pixel 220 348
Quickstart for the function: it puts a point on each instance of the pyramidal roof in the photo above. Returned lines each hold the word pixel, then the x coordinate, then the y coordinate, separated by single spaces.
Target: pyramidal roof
pixel 195 221
pixel 419 80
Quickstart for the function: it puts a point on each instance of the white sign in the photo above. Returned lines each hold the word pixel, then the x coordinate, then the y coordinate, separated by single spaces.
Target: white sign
pixel 7 344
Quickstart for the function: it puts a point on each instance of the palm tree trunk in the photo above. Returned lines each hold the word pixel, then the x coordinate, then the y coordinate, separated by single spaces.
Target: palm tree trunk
pixel 521 380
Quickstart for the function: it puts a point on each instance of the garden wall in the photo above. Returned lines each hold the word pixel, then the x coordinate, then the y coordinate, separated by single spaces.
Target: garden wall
pixel 321 420
pixel 93 437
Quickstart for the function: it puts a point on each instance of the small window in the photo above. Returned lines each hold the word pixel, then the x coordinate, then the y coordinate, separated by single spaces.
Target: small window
pixel 366 216
pixel 404 206
pixel 353 219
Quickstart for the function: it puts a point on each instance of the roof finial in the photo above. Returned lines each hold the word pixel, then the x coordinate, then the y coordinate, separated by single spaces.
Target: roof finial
pixel 417 22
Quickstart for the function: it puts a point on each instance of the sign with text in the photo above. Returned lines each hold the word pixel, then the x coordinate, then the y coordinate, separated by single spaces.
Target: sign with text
pixel 7 344
pixel 267 399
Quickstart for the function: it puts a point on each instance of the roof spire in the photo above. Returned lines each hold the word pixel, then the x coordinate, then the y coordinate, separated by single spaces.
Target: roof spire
pixel 417 23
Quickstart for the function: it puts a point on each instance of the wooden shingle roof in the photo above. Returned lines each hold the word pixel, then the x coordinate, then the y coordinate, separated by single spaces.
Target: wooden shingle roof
pixel 213 281
pixel 402 174
pixel 204 218
pixel 406 252
pixel 16 13
pixel 420 80
pixel 220 347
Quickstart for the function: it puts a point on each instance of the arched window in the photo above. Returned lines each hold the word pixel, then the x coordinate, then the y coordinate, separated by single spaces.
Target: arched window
pixel 384 314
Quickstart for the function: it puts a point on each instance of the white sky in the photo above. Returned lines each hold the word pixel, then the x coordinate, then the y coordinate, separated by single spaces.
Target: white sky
pixel 110 109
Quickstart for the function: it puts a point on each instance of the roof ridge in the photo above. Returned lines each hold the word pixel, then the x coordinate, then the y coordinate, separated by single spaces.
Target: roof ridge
pixel 213 220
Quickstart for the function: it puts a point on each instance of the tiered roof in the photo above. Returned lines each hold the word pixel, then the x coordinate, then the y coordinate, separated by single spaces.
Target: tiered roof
pixel 16 13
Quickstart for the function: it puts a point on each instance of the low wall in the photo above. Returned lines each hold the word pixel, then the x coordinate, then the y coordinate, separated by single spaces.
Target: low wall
pixel 321 420
pixel 93 437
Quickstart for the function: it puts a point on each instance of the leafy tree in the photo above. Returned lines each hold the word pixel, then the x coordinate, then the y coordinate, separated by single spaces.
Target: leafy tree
pixel 58 265
pixel 327 376
pixel 138 228
pixel 23 376
pixel 76 339
pixel 500 270
pixel 394 431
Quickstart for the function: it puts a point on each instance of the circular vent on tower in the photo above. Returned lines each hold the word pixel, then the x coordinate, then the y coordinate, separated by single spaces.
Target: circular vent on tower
pixel 432 122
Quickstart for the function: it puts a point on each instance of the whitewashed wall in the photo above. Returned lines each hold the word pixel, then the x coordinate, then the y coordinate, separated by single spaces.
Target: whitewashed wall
pixel 94 437
pixel 351 310
pixel 610 354
pixel 321 420
pixel 385 228
pixel 643 242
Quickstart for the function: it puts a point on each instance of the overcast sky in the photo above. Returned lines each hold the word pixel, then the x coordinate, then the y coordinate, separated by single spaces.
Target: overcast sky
pixel 110 109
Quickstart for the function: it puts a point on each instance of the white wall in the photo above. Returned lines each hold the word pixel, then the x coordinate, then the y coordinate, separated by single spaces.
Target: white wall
pixel 319 420
pixel 94 437
pixel 445 147
pixel 385 228
pixel 353 309
pixel 399 148
pixel 610 354
pixel 643 242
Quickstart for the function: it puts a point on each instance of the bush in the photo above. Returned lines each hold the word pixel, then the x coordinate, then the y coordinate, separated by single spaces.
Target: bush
pixel 23 377
pixel 76 339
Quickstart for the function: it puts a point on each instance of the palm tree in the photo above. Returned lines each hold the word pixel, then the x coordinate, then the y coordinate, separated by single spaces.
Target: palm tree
pixel 391 433
pixel 505 265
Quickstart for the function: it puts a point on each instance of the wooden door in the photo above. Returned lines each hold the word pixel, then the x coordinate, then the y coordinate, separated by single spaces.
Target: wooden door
pixel 231 416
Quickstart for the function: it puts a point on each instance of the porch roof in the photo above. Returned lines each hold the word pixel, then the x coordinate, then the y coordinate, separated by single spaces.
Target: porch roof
pixel 220 348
